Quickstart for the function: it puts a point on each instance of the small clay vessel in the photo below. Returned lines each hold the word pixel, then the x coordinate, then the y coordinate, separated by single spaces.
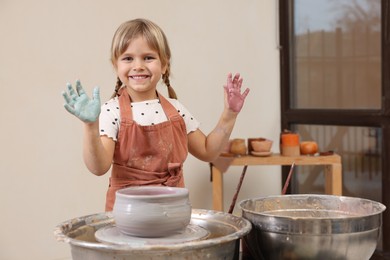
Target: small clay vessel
pixel 238 147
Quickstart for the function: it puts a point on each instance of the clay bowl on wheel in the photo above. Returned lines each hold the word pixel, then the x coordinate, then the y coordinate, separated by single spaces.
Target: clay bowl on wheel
pixel 152 211
pixel 312 227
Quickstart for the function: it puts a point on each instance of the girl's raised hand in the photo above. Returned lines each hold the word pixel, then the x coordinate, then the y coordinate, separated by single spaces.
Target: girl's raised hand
pixel 79 104
pixel 234 98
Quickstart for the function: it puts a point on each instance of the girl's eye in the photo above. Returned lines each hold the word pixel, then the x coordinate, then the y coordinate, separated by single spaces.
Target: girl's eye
pixel 149 58
pixel 127 58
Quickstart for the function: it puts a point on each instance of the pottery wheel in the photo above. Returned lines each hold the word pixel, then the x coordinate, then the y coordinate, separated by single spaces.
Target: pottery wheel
pixel 112 235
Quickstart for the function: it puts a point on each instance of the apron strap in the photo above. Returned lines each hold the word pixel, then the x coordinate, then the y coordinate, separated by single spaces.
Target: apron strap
pixel 125 111
pixel 170 111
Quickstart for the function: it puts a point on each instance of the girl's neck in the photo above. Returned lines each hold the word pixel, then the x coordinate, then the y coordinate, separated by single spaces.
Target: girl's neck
pixel 142 96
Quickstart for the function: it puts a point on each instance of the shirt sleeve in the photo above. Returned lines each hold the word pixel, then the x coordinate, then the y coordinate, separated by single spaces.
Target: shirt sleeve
pixel 192 124
pixel 109 119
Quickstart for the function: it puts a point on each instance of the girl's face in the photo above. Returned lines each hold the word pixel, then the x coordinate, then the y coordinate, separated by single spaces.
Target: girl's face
pixel 140 69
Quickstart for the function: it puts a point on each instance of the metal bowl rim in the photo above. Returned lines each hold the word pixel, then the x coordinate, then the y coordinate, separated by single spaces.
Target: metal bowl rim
pixel 381 206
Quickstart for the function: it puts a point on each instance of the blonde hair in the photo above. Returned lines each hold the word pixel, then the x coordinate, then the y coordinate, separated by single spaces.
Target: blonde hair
pixel 156 40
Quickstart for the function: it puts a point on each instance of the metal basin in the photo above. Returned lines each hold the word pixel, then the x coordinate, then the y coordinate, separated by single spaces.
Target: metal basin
pixel 222 243
pixel 312 227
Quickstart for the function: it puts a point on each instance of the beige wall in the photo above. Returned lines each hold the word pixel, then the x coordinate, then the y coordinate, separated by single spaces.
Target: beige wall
pixel 46 43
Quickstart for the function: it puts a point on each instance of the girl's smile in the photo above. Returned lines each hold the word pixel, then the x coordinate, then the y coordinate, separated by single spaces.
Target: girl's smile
pixel 139 78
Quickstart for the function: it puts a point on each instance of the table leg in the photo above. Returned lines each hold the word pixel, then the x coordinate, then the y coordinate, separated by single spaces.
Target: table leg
pixel 333 180
pixel 217 176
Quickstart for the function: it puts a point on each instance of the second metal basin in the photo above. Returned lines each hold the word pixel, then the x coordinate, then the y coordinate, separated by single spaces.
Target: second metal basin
pixel 312 227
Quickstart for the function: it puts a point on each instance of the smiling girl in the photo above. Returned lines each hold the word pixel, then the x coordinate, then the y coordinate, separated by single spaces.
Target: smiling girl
pixel 142 135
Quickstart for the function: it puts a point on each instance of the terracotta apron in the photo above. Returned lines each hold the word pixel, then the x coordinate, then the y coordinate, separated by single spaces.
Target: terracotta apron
pixel 148 155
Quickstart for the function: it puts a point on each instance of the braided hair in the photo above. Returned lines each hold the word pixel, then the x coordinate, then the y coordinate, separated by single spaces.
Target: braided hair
pixel 117 87
pixel 165 77
pixel 156 39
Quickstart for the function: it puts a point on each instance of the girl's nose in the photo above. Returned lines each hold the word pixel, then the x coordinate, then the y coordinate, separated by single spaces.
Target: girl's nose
pixel 138 64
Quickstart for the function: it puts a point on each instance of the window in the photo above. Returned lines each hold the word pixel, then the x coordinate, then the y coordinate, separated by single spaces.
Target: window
pixel 335 90
pixel 336 54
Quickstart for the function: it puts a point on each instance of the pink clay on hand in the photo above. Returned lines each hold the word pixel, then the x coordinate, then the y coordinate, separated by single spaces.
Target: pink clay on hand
pixel 235 100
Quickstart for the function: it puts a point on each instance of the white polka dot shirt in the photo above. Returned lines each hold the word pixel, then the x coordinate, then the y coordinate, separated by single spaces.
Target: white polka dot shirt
pixel 144 113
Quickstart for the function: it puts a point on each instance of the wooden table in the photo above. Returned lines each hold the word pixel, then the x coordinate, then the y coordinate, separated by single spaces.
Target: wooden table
pixel 332 163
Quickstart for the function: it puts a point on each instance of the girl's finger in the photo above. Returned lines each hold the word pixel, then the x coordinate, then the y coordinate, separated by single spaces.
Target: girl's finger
pixel 246 92
pixel 69 108
pixel 229 80
pixel 239 83
pixel 96 94
pixel 236 79
pixel 69 88
pixel 79 88
pixel 71 91
pixel 66 97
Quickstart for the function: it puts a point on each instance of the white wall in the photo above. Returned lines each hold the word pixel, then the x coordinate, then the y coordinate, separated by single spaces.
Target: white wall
pixel 46 43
